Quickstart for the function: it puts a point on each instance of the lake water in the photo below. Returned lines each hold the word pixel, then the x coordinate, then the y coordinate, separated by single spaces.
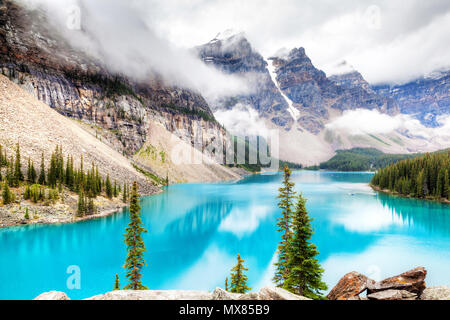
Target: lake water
pixel 196 230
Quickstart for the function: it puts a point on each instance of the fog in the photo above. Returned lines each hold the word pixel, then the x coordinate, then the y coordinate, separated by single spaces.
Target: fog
pixel 119 33
pixel 363 121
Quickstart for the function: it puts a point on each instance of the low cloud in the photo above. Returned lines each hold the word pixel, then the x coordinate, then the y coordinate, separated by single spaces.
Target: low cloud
pixel 242 120
pixel 120 34
pixel 363 121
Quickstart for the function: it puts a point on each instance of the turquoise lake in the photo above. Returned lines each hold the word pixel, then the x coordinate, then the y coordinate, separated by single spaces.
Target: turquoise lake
pixel 196 230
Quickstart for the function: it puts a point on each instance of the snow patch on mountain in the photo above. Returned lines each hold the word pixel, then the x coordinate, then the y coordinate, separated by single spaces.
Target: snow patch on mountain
pixel 294 112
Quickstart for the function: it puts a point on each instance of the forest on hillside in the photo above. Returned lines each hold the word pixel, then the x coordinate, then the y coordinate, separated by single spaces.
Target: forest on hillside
pixel 423 177
pixel 361 159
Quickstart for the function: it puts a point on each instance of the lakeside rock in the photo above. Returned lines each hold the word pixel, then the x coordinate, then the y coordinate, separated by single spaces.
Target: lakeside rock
pixel 52 295
pixel 266 293
pixel 350 286
pixel 391 294
pixel 436 293
pixel 412 281
pixel 409 285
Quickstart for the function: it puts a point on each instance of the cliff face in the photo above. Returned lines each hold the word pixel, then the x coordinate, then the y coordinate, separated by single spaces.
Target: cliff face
pixel 80 87
pixel 427 98
pixel 290 89
pixel 316 96
pixel 234 54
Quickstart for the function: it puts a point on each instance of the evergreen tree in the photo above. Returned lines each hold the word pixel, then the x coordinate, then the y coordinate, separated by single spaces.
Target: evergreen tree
pixel 125 193
pixel 135 244
pixel 18 175
pixel 226 284
pixel 286 195
pixel 81 204
pixel 238 277
pixel 117 283
pixel 27 216
pixel 305 276
pixel 115 191
pixel 41 179
pixel 108 187
pixel 6 194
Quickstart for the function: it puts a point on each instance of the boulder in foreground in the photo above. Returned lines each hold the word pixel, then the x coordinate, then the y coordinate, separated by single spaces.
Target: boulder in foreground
pixel 267 293
pixel 412 281
pixel 350 286
pixel 52 295
pixel 436 293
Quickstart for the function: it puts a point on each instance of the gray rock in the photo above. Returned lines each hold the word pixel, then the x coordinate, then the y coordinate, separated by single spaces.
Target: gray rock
pixel 220 294
pixel 350 286
pixel 391 294
pixel 436 293
pixel 153 295
pixel 52 295
pixel 412 281
pixel 274 293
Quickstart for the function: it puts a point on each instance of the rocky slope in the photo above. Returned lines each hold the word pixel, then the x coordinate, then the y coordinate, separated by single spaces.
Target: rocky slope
pixel 39 129
pixel 117 109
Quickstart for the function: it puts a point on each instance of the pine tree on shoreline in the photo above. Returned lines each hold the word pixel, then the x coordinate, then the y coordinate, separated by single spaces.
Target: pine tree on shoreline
pixel 135 244
pixel 117 283
pixel 286 195
pixel 305 276
pixel 238 277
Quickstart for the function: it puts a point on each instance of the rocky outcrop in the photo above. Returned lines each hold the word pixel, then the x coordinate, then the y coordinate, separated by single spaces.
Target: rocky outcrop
pixel 436 293
pixel 78 86
pixel 267 293
pixel 407 286
pixel 392 294
pixel 412 281
pixel 316 96
pixel 234 54
pixel 350 286
pixel 52 295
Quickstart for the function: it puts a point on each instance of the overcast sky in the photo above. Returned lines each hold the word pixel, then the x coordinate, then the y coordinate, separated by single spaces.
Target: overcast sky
pixel 386 40
pixel 390 41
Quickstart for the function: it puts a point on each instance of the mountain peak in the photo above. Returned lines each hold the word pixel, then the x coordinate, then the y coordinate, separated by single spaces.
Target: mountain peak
pixel 229 34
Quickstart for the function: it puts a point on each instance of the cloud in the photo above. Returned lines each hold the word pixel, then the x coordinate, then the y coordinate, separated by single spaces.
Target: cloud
pixel 242 120
pixel 241 222
pixel 120 34
pixel 388 41
pixel 363 121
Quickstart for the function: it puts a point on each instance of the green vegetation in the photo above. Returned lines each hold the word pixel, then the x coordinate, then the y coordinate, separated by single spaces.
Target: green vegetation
pixel 117 283
pixel 154 177
pixel 111 86
pixel 190 112
pixel 48 186
pixel 238 277
pixel 361 159
pixel 286 196
pixel 135 244
pixel 226 284
pixel 305 277
pixel 426 177
pixel 297 268
pixel 254 150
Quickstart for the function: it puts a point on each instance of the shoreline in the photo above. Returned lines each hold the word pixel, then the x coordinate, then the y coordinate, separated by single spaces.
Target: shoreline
pixel 58 214
pixel 392 193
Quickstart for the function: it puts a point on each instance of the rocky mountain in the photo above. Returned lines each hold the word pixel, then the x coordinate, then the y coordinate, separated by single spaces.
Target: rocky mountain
pixel 291 94
pixel 426 99
pixel 117 109
pixel 233 54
